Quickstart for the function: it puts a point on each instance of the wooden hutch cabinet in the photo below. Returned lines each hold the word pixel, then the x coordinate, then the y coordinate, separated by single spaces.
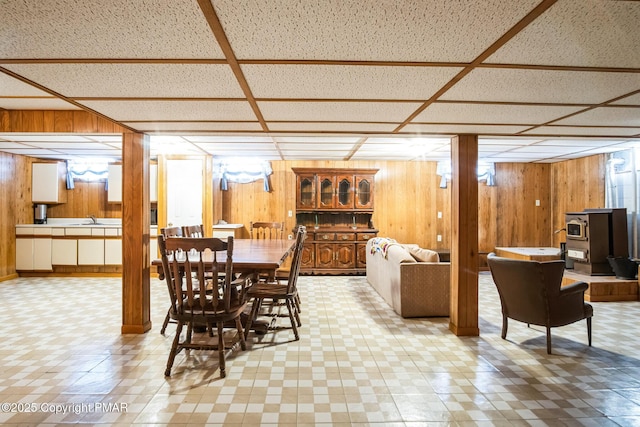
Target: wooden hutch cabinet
pixel 336 206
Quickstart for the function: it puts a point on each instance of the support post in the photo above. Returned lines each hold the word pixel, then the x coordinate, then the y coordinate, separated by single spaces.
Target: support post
pixel 463 319
pixel 136 299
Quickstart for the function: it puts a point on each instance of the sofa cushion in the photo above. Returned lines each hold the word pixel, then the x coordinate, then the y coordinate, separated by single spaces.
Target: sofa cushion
pixel 424 255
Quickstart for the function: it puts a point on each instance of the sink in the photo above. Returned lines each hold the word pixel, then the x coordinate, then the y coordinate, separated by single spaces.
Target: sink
pixel 84 224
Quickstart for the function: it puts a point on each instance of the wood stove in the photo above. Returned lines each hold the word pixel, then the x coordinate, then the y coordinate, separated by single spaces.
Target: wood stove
pixel 594 235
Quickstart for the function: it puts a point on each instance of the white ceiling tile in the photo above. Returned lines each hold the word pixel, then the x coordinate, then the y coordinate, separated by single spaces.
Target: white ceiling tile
pixel 227 138
pixel 117 29
pixel 134 80
pixel 507 141
pixel 519 85
pixel 585 142
pixel 310 146
pixel 6 144
pixel 317 153
pixel 337 111
pixel 492 148
pixel 10 86
pixel 194 126
pixel 629 100
pixel 611 116
pixel 331 127
pixel 586 131
pixel 69 145
pixel 44 137
pixel 580 33
pixel 127 111
pixel 491 113
pixel 239 146
pixel 366 30
pixel 36 104
pixel 317 139
pixel 454 129
pixel 344 81
pixel 548 149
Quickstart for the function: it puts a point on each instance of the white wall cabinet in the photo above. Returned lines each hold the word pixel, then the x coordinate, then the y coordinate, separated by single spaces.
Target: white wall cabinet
pixel 47 183
pixel 114 192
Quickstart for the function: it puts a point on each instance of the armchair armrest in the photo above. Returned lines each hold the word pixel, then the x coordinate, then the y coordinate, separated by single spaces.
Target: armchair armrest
pixel 574 288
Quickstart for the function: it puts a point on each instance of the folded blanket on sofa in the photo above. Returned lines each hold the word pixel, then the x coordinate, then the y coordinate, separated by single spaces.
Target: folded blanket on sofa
pixel 381 244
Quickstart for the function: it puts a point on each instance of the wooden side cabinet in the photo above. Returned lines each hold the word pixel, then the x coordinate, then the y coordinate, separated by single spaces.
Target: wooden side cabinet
pixel 336 206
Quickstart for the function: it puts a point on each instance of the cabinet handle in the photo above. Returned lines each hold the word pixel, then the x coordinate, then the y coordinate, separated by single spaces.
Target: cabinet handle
pixel 325 237
pixel 345 237
pixel 366 237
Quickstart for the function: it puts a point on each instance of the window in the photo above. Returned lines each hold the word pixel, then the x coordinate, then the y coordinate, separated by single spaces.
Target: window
pixel 245 171
pixel 86 170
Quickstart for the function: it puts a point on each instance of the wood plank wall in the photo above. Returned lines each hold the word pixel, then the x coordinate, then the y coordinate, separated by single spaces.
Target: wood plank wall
pixel 576 185
pixel 408 199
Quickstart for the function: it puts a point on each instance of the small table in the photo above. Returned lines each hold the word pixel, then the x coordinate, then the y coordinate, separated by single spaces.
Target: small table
pixel 222 231
pixel 529 253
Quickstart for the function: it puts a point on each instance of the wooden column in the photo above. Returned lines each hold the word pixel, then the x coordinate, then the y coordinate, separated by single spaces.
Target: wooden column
pixel 463 319
pixel 136 305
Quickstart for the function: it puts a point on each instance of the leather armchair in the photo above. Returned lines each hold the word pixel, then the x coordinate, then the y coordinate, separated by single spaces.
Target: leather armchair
pixel 531 292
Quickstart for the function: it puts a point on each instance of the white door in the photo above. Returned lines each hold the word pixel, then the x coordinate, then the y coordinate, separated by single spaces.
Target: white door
pixel 184 192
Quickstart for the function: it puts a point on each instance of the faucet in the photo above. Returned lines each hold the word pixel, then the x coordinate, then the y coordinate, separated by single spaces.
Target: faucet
pixel 94 220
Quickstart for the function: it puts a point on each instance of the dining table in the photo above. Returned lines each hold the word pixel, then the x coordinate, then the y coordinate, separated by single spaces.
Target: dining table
pixel 250 256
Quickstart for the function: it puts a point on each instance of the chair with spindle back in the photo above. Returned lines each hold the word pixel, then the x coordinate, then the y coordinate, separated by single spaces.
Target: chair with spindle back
pixel 287 292
pixel 197 300
pixel 169 232
pixel 193 230
pixel 266 230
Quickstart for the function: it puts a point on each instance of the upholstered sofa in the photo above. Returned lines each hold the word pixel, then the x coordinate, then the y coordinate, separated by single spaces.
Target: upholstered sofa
pixel 412 280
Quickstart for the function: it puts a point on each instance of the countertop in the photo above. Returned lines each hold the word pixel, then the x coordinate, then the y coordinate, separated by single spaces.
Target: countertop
pixel 76 222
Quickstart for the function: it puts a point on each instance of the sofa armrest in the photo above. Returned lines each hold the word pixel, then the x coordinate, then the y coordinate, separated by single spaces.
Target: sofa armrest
pixel 425 289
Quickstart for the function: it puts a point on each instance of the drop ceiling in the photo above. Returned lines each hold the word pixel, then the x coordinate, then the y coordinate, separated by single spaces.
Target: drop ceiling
pixel 538 81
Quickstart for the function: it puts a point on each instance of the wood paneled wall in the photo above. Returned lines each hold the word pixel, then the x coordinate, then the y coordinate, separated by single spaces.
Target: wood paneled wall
pixel 576 185
pixel 518 221
pixel 408 199
pixel 15 206
pixel 55 121
pixel 87 198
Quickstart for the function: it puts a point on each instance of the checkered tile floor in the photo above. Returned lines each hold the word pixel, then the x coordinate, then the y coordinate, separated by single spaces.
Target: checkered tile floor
pixel 64 361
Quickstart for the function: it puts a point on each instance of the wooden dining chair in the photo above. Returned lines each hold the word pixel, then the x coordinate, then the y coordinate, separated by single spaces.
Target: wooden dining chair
pixel 199 301
pixel 169 232
pixel 275 292
pixel 266 230
pixel 193 230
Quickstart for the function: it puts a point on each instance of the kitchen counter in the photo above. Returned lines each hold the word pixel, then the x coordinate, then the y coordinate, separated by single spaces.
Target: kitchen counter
pixel 76 222
pixel 73 245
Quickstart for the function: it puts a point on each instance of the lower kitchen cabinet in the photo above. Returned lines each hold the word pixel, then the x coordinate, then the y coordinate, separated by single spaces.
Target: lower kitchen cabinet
pixel 64 252
pixel 113 252
pixel 33 249
pixel 91 251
